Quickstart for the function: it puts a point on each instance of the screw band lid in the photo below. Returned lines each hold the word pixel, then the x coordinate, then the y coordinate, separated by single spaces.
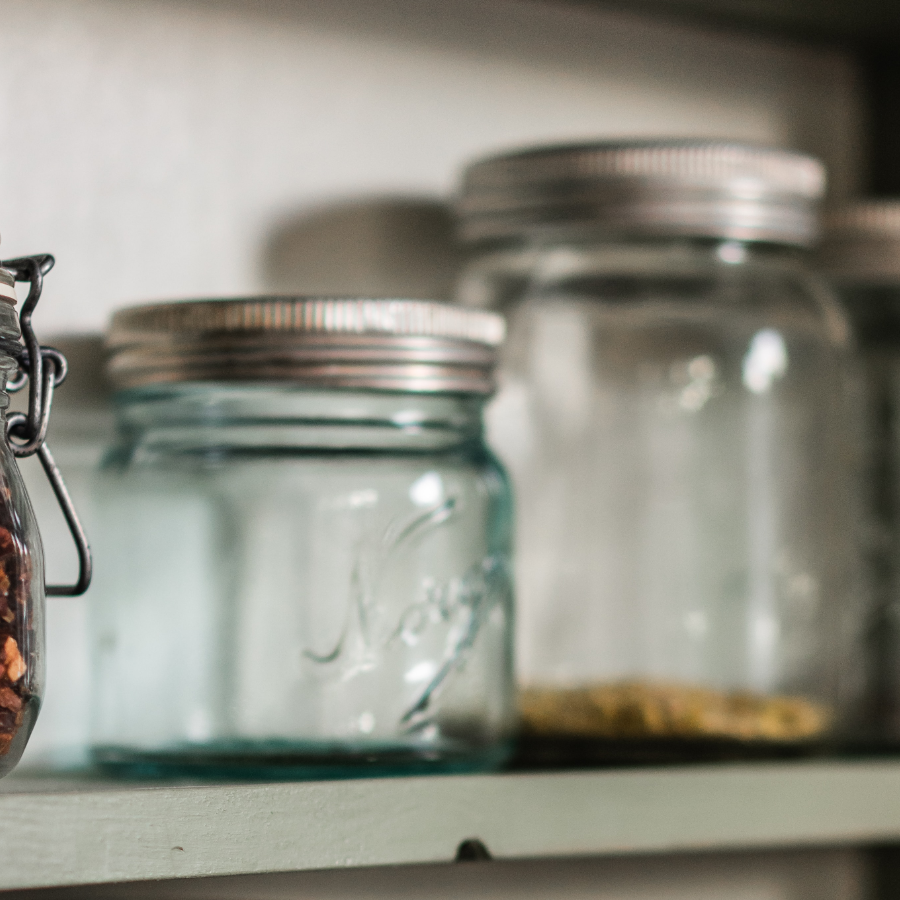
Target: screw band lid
pixel 396 345
pixel 644 188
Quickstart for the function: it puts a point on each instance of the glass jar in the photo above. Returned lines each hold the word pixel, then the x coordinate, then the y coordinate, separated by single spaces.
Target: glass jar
pixel 304 542
pixel 860 253
pixel 673 411
pixel 22 588
pixel 21 571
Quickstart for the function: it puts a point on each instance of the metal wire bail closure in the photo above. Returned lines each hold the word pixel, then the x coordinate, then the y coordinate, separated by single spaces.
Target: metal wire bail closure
pixel 43 369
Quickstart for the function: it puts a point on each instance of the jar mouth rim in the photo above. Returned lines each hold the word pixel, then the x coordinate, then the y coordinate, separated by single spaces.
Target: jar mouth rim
pixel 396 345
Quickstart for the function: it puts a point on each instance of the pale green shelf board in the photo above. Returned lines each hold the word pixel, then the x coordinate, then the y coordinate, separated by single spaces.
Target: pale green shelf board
pixel 69 832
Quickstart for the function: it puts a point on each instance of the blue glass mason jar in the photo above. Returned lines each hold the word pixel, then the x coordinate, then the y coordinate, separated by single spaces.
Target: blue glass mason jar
pixel 304 541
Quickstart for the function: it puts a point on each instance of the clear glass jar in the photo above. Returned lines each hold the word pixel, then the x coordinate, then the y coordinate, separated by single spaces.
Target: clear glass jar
pixel 673 411
pixel 860 253
pixel 22 589
pixel 304 564
pixel 21 572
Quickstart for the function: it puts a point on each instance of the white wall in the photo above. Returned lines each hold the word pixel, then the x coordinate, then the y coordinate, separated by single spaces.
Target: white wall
pixel 156 147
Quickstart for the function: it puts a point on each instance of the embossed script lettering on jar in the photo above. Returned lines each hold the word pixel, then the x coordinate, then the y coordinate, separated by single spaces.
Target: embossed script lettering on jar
pixel 394 597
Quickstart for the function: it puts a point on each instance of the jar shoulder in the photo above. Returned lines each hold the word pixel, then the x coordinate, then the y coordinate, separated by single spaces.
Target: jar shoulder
pixel 659 285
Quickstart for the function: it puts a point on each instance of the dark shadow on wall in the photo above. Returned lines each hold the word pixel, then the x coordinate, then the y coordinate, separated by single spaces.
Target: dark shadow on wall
pixel 379 247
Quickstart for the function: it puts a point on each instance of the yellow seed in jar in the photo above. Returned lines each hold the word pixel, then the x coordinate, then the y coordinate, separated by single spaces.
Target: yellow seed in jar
pixel 638 709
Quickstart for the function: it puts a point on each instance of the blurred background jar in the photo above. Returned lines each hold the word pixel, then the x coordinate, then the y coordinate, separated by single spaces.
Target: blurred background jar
pixel 674 414
pixel 22 586
pixel 303 542
pixel 80 431
pixel 860 253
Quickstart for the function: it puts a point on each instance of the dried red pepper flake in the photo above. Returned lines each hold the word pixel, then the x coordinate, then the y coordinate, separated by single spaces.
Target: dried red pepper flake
pixel 9 699
pixel 7 542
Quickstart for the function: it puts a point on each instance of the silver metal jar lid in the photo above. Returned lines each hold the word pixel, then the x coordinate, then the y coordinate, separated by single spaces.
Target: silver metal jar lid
pixel 645 188
pixel 393 345
pixel 861 243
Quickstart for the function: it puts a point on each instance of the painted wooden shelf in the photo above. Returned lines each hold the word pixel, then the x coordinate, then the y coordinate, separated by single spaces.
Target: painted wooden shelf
pixel 78 831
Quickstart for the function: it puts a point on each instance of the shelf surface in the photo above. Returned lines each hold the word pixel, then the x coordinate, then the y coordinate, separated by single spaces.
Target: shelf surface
pixel 77 831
